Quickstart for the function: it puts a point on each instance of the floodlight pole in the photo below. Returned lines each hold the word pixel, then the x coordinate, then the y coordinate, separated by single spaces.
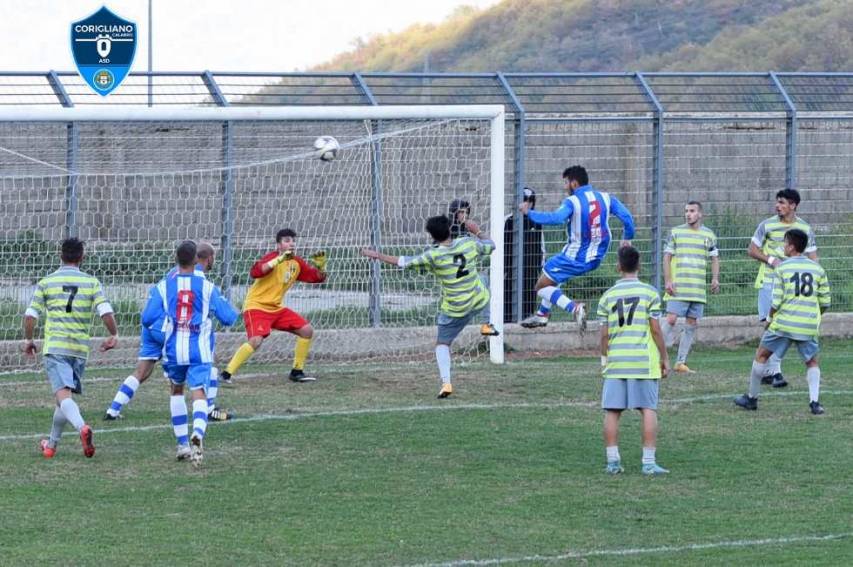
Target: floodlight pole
pixel 150 51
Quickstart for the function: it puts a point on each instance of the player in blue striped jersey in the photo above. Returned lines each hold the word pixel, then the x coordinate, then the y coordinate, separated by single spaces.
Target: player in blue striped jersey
pixel 586 214
pixel 151 342
pixel 189 300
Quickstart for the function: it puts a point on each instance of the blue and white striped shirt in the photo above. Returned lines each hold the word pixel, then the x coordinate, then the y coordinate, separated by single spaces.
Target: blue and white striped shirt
pixel 587 212
pixel 189 301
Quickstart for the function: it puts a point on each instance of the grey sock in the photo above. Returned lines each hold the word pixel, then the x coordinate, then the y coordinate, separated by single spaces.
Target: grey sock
pixel 758 370
pixel 774 365
pixel 59 422
pixel 667 332
pixel 686 342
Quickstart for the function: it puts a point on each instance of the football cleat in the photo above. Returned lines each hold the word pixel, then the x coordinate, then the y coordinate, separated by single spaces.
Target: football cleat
pixel 300 376
pixel 86 441
pixel 534 321
pixel 767 379
pixel 225 378
pixel 580 316
pixel 46 450
pixel 778 381
pixel 683 368
pixel 184 452
pixel 110 417
pixel 746 402
pixel 446 390
pixel 654 469
pixel 217 414
pixel 488 330
pixel 614 467
pixel 814 407
pixel 196 451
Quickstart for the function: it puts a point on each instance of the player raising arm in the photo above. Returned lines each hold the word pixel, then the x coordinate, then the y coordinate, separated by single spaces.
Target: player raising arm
pixel 463 295
pixel 263 309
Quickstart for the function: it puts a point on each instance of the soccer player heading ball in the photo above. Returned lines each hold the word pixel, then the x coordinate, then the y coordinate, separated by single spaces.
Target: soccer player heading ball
pixel 586 214
pixel 274 275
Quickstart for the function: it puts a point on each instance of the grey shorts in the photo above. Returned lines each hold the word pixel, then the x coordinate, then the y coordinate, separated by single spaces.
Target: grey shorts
pixel 692 309
pixel 620 394
pixel 765 301
pixel 778 345
pixel 450 327
pixel 65 372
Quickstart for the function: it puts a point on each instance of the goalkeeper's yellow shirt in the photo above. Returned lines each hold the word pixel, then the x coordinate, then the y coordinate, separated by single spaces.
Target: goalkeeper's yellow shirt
pixel 268 291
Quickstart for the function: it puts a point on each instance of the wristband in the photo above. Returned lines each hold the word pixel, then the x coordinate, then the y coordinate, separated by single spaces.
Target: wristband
pixel 603 360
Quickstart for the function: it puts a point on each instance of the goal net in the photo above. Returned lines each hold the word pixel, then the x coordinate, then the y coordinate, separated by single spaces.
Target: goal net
pixel 132 183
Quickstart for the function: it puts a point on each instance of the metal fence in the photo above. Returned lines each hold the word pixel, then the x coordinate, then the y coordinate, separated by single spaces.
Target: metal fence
pixel 656 140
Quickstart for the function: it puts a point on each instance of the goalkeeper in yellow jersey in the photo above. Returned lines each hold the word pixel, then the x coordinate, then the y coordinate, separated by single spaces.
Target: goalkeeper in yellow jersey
pixel 263 310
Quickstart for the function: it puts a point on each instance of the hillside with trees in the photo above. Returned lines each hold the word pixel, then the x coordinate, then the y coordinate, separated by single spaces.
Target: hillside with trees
pixel 619 35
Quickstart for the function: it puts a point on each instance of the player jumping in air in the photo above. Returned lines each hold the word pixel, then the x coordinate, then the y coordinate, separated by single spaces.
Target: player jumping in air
pixel 586 214
pixel 263 309
pixel 463 294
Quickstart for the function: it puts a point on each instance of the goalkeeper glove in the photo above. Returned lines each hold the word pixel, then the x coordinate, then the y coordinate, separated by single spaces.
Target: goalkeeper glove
pixel 319 260
pixel 286 255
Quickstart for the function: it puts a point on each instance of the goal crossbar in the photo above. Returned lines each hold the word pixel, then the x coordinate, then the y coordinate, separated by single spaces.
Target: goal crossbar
pixel 493 113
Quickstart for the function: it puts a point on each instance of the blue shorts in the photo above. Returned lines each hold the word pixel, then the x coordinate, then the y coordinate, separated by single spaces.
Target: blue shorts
pixel 621 394
pixel 561 269
pixel 65 372
pixel 778 345
pixel 691 309
pixel 197 375
pixel 151 344
pixel 765 301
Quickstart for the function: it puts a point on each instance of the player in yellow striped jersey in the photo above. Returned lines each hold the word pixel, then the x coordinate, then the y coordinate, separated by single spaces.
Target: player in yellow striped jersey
pixel 800 296
pixel 685 262
pixel 67 298
pixel 463 295
pixel 767 247
pixel 634 359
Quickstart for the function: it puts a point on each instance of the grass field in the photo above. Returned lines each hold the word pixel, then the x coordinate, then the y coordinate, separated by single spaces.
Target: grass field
pixel 365 466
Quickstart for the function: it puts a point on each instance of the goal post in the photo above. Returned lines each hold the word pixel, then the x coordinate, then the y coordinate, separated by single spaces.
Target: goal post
pixel 87 168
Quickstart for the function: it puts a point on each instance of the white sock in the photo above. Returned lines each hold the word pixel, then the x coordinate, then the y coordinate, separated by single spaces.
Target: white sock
pixel 124 395
pixel 72 413
pixel 686 342
pixel 612 453
pixel 552 295
pixel 813 377
pixel 648 455
pixel 178 407
pixel 759 370
pixel 212 388
pixel 199 418
pixel 442 357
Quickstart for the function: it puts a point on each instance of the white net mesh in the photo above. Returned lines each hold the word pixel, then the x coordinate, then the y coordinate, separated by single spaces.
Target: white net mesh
pixel 132 191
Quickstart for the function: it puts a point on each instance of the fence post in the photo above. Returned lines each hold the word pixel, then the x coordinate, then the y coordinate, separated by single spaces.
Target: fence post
pixel 228 188
pixel 657 185
pixel 376 204
pixel 790 135
pixel 519 173
pixel 71 151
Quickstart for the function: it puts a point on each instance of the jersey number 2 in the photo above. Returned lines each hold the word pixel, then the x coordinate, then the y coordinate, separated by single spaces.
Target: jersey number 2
pixel 459 261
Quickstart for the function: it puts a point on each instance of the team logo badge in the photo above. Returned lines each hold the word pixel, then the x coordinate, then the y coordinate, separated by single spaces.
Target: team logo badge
pixel 103 46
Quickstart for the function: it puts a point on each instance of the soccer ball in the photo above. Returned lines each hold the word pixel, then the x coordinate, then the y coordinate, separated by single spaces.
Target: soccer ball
pixel 326 148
